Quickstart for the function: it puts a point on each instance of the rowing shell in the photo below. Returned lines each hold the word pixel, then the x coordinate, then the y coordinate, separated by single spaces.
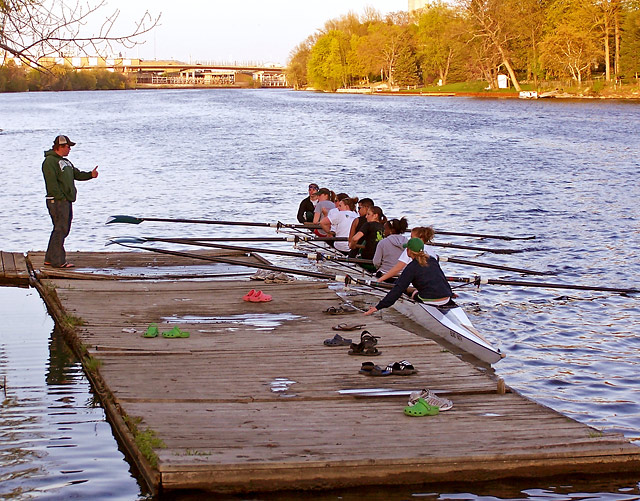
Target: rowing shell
pixel 452 325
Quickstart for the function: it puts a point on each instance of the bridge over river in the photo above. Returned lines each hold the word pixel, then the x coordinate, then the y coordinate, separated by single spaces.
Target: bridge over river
pixel 177 73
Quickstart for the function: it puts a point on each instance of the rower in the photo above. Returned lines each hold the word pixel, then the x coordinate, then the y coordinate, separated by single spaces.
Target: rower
pixel 424 273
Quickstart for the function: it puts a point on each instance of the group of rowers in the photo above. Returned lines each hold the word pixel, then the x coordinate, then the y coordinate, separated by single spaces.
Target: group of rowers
pixel 370 235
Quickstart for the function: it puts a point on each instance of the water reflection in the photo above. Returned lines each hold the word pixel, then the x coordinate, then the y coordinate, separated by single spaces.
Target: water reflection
pixel 54 440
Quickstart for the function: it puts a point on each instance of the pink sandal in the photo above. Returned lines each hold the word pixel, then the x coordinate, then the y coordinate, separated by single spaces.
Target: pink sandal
pixel 260 297
pixel 249 295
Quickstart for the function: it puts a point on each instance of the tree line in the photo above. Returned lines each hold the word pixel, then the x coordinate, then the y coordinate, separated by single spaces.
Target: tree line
pixel 530 40
pixel 15 78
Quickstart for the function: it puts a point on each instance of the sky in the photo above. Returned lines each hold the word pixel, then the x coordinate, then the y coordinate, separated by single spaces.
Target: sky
pixel 243 31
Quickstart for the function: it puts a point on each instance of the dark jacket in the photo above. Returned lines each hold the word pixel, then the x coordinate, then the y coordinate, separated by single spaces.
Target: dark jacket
pixel 59 175
pixel 429 280
pixel 306 208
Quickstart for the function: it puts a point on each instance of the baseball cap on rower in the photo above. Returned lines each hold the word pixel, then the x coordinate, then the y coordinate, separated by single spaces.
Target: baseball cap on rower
pixel 314 186
pixel 414 244
pixel 324 191
pixel 62 141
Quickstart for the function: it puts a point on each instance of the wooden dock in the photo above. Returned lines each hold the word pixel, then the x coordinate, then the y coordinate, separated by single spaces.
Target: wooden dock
pixel 13 269
pixel 250 402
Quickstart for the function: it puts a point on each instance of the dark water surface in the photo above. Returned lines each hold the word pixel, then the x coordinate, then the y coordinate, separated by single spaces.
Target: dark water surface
pixel 566 171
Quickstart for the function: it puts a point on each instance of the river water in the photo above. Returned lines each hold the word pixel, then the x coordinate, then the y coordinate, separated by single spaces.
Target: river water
pixel 564 171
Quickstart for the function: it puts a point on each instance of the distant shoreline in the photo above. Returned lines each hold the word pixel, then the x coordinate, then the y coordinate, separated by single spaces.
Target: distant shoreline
pixel 491 95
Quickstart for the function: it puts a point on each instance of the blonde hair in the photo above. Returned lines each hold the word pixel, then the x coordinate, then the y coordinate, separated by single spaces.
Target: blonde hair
pixel 421 257
pixel 424 233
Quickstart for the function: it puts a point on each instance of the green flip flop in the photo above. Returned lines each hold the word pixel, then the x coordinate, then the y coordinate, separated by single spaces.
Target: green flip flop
pixel 152 331
pixel 175 332
pixel 421 408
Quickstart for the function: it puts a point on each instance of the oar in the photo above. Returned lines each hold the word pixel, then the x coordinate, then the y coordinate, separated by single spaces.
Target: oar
pixel 292 238
pixel 318 256
pixel 496 281
pixel 444 259
pixel 481 249
pixel 312 255
pixel 226 260
pixel 479 235
pixel 138 220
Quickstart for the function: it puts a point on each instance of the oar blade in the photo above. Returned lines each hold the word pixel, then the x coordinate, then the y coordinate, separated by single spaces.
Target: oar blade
pixel 124 219
pixel 125 240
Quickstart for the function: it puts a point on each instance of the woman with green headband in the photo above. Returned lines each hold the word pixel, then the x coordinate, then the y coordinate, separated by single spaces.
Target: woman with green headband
pixel 425 274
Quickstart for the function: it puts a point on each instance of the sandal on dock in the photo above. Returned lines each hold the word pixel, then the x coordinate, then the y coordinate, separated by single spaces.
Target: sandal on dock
pixel 421 408
pixel 348 327
pixel 340 310
pixel 152 331
pixel 444 404
pixel 376 370
pixel 260 297
pixel 366 367
pixel 337 340
pixel 402 368
pixel 366 346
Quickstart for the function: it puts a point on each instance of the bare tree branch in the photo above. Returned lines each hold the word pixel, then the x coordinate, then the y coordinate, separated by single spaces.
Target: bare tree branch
pixel 32 29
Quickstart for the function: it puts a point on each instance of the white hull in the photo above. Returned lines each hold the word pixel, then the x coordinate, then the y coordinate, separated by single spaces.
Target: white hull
pixel 453 326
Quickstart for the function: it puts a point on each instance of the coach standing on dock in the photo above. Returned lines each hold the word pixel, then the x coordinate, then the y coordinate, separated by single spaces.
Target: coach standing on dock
pixel 59 176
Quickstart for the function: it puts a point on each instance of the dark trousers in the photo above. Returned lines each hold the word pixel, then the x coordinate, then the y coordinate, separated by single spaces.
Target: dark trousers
pixel 61 212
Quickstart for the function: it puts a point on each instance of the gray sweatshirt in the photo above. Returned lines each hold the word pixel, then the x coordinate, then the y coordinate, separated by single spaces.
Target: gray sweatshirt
pixel 388 251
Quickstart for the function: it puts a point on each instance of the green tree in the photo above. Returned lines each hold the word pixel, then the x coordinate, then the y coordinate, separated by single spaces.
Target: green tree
pixel 327 68
pixel 83 80
pixel 386 42
pixel 530 22
pixel 494 20
pixel 297 66
pixel 438 38
pixel 13 78
pixel 570 46
pixel 630 44
pixel 406 71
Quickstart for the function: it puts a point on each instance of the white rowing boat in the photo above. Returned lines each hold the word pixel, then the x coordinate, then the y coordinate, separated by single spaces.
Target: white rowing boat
pixel 452 325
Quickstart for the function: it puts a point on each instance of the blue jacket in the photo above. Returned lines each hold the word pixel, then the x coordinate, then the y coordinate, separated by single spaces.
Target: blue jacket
pixel 429 280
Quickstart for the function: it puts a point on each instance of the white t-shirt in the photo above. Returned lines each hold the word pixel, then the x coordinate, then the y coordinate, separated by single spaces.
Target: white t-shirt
pixel 341 221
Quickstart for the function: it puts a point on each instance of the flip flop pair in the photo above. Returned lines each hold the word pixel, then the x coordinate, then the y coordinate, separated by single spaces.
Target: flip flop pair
pixel 153 331
pixel 63 265
pixel 256 296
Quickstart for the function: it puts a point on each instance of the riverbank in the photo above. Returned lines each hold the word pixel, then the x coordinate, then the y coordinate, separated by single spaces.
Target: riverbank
pixel 635 95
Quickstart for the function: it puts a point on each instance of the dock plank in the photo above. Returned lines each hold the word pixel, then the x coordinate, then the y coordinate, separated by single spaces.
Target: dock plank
pixel 13 269
pixel 211 397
